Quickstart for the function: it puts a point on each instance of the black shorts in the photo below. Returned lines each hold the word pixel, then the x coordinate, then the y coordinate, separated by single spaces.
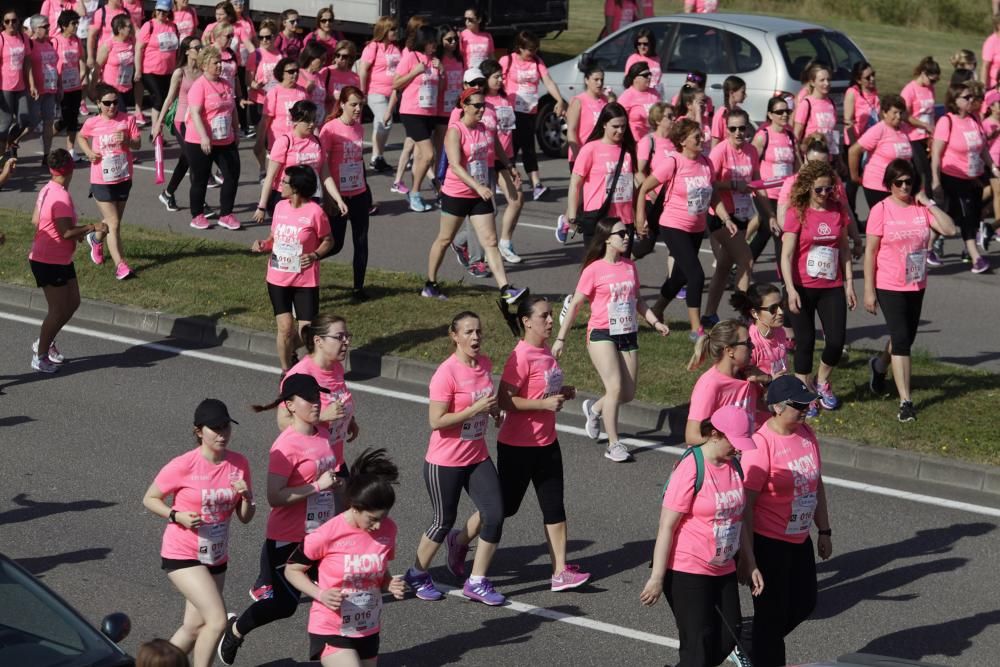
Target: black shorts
pixel 366 647
pixel 441 120
pixel 466 206
pixel 110 193
pixel 174 564
pixel 623 342
pixel 52 275
pixel 418 128
pixel 715 223
pixel 304 299
pixel 157 85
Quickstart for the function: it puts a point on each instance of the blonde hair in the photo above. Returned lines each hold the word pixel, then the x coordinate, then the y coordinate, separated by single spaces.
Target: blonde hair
pixel 656 114
pixel 724 334
pixel 208 53
pixel 380 33
pixel 963 57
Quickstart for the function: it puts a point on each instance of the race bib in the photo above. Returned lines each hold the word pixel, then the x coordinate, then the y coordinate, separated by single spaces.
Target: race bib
pixel 975 167
pixel 727 541
pixel 622 192
pixel 779 366
pixel 319 509
pixel 50 77
pixel 505 118
pixel 479 171
pixel 526 98
pixel 427 95
pixel 803 509
pixel 475 428
pixel 698 200
pixel 450 99
pixel 553 381
pixel 782 169
pixel 743 203
pixel 833 141
pixel 126 73
pixel 821 262
pixel 167 41
pixel 286 257
pixel 711 5
pixel 351 177
pixel 360 611
pixel 213 543
pixel 916 266
pixel 220 127
pixel 621 317
pixel 70 77
pixel 114 167
pixel 903 150
pixel 16 61
pixel 391 60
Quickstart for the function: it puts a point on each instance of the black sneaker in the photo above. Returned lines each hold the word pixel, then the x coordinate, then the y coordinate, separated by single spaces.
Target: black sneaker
pixel 210 213
pixel 168 200
pixel 229 644
pixel 907 413
pixel 380 165
pixel 876 380
pixel 359 296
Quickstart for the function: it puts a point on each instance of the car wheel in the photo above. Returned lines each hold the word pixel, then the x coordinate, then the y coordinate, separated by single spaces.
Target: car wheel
pixel 551 130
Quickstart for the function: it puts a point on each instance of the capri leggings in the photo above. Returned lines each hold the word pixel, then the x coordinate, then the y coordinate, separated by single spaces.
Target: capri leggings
pixel 285 598
pixel 964 203
pixel 684 247
pixel 902 317
pixel 445 484
pixel 358 207
pixel 157 85
pixel 69 110
pixel 524 140
pixel 831 304
pixel 922 163
pixel 540 466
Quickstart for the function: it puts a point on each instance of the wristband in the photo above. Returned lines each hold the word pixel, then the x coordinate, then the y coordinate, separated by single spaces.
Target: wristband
pixel 561 340
pixel 826 533
pixel 172 518
pixel 262 209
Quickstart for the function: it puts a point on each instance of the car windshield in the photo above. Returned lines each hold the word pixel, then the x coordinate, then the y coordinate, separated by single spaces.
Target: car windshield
pixel 825 46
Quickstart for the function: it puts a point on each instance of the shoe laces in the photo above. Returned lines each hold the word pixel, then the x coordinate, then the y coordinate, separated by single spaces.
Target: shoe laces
pixel 484 587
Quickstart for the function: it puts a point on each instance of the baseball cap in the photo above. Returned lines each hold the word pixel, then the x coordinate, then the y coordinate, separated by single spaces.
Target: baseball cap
pixel 472 75
pixel 164 5
pixel 301 385
pixel 789 388
pixel 212 413
pixel 734 423
pixel 991 97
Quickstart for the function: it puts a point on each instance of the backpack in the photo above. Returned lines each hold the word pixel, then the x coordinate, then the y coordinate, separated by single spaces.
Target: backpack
pixel 699 467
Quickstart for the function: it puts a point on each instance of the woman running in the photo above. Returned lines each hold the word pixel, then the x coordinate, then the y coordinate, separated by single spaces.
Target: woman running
pixel 207 486
pixel 734 93
pixel 45 73
pixel 474 43
pixel 692 103
pixel 414 23
pixel 762 309
pixel 156 52
pixel 620 13
pixel 184 76
pixel 645 51
pixel 919 96
pixel 71 64
pixel 377 69
pixel 610 282
pixel 419 82
pixel 638 97
pixel 531 393
pixel 499 119
pixel 883 142
pixel 452 70
pixel 775 145
pixel 896 273
pixel 300 146
pixel 288 40
pixel 462 401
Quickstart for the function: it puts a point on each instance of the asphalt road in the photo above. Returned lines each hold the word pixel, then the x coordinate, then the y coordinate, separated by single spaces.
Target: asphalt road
pixel 952 326
pixel 908 579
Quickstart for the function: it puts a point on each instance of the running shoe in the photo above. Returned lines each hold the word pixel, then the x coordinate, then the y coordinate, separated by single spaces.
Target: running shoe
pixel 373 209
pixel 265 592
pixel 84 111
pixel 827 399
pixel 739 658
pixel 907 413
pixel 122 271
pixel 569 578
pixel 140 120
pixel 422 585
pixel 538 192
pixel 617 452
pixel 432 291
pixel 592 425
pixel 461 254
pixel 482 591
pixel 77 157
pixel 200 222
pixel 456 554
pixel 508 253
pixel 54 355
pixel 813 411
pixel 938 246
pixel 479 270
pixel 380 165
pixel 417 203
pixel 251 133
pixel 966 258
pixel 96 249
pixel 982 265
pixel 229 644
pixel 512 294
pixel 399 187
pixel 358 295
pixel 983 237
pixel 565 308
pixel 229 222
pixel 562 229
pixel 209 213
pixel 43 365
pixel 693 336
pixel 169 201
pixel 682 295
pixel 876 380
pixel 933 259
pixel 216 180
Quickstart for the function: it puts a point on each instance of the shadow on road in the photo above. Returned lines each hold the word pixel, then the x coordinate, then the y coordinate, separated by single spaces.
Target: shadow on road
pixel 40 564
pixel 29 510
pixel 949 638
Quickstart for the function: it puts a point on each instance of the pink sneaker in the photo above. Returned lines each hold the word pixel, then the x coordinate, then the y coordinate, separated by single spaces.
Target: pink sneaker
pixel 96 249
pixel 201 222
pixel 456 554
pixel 569 578
pixel 140 120
pixel 84 111
pixel 229 222
pixel 123 272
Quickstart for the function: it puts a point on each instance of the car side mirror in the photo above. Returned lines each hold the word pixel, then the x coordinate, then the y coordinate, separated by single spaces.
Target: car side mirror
pixel 116 626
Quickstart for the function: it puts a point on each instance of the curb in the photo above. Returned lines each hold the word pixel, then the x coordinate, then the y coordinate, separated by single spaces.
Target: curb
pixel 645 418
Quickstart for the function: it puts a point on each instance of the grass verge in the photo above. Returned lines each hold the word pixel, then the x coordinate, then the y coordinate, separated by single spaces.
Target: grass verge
pixel 194 277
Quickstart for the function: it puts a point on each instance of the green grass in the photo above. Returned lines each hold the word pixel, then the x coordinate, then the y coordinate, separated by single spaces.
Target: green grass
pixel 195 277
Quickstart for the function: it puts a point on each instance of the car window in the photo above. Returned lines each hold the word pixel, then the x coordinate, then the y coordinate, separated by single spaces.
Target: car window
pixel 613 54
pixel 711 50
pixel 829 47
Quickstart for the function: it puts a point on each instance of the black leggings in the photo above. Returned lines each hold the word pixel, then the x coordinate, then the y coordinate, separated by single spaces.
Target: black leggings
pixel 760 239
pixel 227 158
pixel 789 596
pixel 965 203
pixel 873 197
pixel 541 466
pixel 181 170
pixel 703 605
pixel 157 85
pixel 241 94
pixel 445 484
pixel 357 211
pixel 524 140
pixel 902 317
pixel 69 110
pixel 831 304
pixel 684 247
pixel 285 598
pixel 922 163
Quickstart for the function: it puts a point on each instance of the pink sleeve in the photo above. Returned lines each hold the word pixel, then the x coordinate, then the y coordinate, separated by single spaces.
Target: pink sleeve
pixel 719 124
pixel 442 386
pixel 702 398
pixel 542 69
pixel 908 94
pixel 756 464
pixel 679 495
pixel 368 54
pixel 133 128
pixel 405 64
pixel 279 152
pixel 585 285
pixel 270 102
pixel 716 158
pixel 802 111
pixel 88 126
pixel 869 140
pixel 316 542
pixel 583 163
pixel 322 225
pixel 941 133
pixel 792 223
pixel 168 479
pixel 876 220
pixel 278 464
pixel 665 171
pixel 196 95
pixel 989 45
pixel 515 371
pixel 145 32
pixel 61 209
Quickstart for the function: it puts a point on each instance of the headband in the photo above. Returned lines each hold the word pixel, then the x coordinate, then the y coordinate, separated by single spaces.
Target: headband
pixel 467 93
pixel 64 170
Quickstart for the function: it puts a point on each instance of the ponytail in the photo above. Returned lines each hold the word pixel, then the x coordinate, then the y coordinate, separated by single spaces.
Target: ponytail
pixel 722 335
pixel 745 303
pixel 370 486
pixel 525 308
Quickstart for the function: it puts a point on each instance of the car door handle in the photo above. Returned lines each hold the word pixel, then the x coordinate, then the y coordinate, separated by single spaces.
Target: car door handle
pixel 716 86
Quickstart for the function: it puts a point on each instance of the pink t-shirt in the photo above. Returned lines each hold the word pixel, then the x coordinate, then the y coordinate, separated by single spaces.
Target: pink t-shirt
pixel 44 66
pixel 110 137
pixel 186 20
pixel 356 562
pixel 383 58
pixel 475 47
pixel 612 290
pixel 229 67
pixel 13 51
pixel 991 56
pixel 119 70
pixel 769 354
pixel 735 165
pixel 261 63
pixel 330 42
pixel 596 166
pixel 901 262
pixel 101 24
pixel 300 459
pixel 654 68
pixel 332 379
pixel 536 375
pixel 499 119
pixel 51 9
pixel 296 232
pixel 785 194
pixel 69 51
pixel 460 386
pixel 866 109
pixel 162 39
pixel 314 85
pixel 919 105
pixel 134 10
pixel 708 535
pixel 719 130
pixel 289 151
pixel 590 110
pixel 216 101
pixel 883 144
pixel 991 128
pixel 819 115
pixel 336 80
pixel 964 141
pixel 637 105
pixel 420 96
pixel 277 106
pixel 198 485
pixel 522 79
pixel 622 13
pixel 817 257
pixel 49 246
pixel 778 160
pixel 243 33
pixel 477 158
pixel 715 390
pixel 343 145
pixel 451 84
pixel 689 192
pixel 701 6
pixel 785 471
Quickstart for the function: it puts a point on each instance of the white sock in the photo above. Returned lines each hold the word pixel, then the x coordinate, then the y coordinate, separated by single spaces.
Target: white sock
pixel 475 580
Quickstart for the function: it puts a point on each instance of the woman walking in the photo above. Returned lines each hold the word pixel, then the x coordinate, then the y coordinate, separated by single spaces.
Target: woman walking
pixel 183 77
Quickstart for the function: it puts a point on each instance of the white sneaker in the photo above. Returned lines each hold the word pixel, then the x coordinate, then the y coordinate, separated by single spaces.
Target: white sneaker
pixel 565 309
pixel 508 253
pixel 593 423
pixel 43 365
pixel 617 452
pixel 54 355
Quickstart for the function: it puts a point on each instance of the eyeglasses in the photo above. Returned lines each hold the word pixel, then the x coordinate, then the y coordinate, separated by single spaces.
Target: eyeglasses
pixel 781 112
pixel 267 36
pixel 295 20
pixel 903 182
pixel 476 105
pixel 823 189
pixel 738 129
pixel 621 233
pixel 644 75
pixel 343 337
pixel 109 103
pixel 10 21
pixel 668 116
pixel 343 56
pixel 747 342
pixel 795 405
pixel 772 309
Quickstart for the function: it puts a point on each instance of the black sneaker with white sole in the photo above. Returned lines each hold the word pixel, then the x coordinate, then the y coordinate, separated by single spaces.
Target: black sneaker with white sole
pixel 907 413
pixel 230 643
pixel 210 213
pixel 169 201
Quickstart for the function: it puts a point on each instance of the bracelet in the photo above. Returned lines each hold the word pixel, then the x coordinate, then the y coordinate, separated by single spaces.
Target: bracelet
pixel 172 517
pixel 561 340
pixel 825 533
pixel 262 209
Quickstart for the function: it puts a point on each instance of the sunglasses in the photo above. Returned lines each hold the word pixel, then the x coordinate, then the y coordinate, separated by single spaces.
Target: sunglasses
pixel 476 105
pixel 869 77
pixel 343 337
pixel 823 189
pixel 772 309
pixel 470 19
pixel 109 103
pixel 644 75
pixel 326 20
pixel 795 405
pixel 295 20
pixel 621 233
pixel 781 112
pixel 268 36
pixel 903 182
pixel 10 21
pixel 738 129
pixel 965 97
pixel 343 56
pixel 292 71
pixel 747 342
pixel 642 44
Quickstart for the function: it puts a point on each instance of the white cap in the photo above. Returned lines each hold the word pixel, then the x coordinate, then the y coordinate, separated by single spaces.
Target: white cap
pixel 472 74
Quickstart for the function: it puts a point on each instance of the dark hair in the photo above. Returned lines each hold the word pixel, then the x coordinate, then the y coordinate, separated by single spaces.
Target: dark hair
pixel 302 180
pixel 347 91
pixel 928 66
pixel 955 91
pixel 962 76
pixel 602 232
pixel 303 111
pixel 59 158
pixel 775 101
pixel 526 40
pixel 739 113
pixel 423 36
pixel 686 97
pixel 119 23
pixel 477 11
pixel 745 303
pixel 592 68
pixel 160 653
pixel 230 11
pixel 900 167
pixel 730 86
pixel 525 308
pixel 319 326
pixel 281 66
pixel 182 50
pixel 647 33
pixel 612 111
pixel 465 314
pixel 489 67
pixel 369 488
pixel 414 23
pixel 816 142
pixel 285 15
pixel 681 128
pixel 892 102
pixel 314 50
pixel 66 17
pixel 634 71
pixel 102 89
pixel 857 70
pixel 444 30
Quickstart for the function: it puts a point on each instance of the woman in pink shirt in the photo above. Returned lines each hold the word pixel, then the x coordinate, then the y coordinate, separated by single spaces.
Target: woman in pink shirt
pixel 299 238
pixel 960 157
pixel 300 146
pixel 861 103
pixel 116 59
pixel 156 54
pixel 71 64
pixel 531 393
pixel 377 69
pixel 763 307
pixel 107 141
pixel 181 80
pixel 51 257
pixel 883 142
pixel 816 112
pixel 45 71
pixel 474 43
pixel 645 52
pixel 701 6
pixel 785 493
pixel 207 486
pixel 339 75
pixel 734 93
pixel 277 101
pixel 345 617
pixel 692 102
pixel 639 95
pixel 775 145
pixel 699 534
pixel 620 13
pixel 462 402
pixel 896 273
pixel 991 55
pixel 312 60
pixel 919 96
pixel 816 269
pixel 324 32
pixel 610 282
pixel 452 69
pixel 185 18
pixel 260 76
pixel 656 147
pixel 583 112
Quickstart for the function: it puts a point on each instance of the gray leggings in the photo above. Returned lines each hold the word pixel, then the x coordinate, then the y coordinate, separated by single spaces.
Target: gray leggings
pixel 480 481
pixel 13 106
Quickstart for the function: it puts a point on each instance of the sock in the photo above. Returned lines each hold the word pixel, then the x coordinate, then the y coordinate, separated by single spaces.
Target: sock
pixel 475 580
pixel 415 571
pixel 880 365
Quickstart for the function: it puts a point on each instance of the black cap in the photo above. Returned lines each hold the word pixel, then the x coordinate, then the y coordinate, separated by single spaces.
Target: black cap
pixel 301 385
pixel 212 413
pixel 789 388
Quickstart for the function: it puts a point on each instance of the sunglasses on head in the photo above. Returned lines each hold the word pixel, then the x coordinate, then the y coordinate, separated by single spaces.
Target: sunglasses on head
pixel 903 182
pixel 823 189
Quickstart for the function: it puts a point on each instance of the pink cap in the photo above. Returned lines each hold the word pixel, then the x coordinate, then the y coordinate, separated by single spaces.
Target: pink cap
pixel 734 423
pixel 991 97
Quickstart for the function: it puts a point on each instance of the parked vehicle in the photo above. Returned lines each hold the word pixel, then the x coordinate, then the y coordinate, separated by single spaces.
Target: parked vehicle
pixel 768 53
